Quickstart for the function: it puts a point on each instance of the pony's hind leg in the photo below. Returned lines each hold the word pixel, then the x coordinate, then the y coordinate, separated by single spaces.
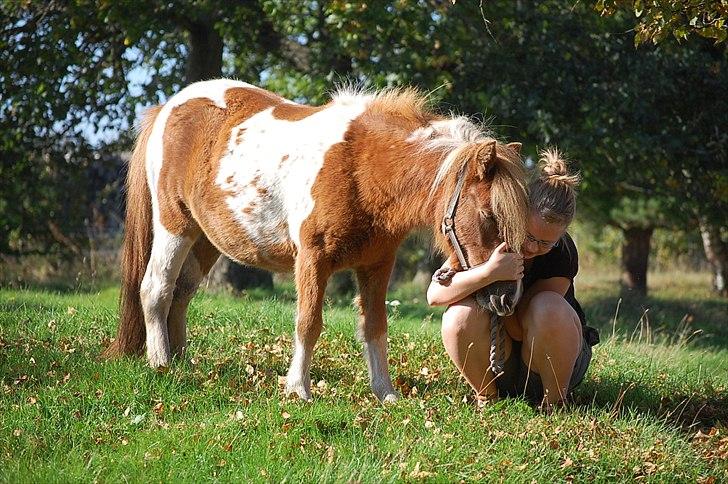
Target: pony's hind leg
pixel 198 263
pixel 311 280
pixel 372 330
pixel 168 253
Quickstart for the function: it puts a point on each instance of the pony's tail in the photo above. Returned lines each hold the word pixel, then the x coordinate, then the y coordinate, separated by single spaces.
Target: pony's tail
pixel 136 249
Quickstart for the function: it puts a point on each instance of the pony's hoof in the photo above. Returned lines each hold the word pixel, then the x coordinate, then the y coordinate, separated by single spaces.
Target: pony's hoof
pixel 390 398
pixel 159 362
pixel 300 390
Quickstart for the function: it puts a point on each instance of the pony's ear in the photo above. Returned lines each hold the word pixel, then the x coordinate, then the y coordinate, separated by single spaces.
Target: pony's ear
pixel 515 147
pixel 486 158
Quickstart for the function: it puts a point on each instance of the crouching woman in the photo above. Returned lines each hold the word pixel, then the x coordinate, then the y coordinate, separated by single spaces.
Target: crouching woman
pixel 548 345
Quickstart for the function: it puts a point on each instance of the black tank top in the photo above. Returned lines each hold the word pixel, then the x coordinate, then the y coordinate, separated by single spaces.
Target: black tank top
pixel 561 261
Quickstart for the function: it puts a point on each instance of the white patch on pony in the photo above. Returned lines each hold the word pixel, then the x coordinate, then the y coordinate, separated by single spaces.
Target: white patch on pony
pixel 375 353
pixel 452 136
pixel 298 379
pixel 157 289
pixel 282 158
pixel 213 90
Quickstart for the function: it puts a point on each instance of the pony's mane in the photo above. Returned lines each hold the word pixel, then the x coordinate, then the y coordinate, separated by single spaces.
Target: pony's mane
pixel 509 200
pixel 407 103
pixel 454 138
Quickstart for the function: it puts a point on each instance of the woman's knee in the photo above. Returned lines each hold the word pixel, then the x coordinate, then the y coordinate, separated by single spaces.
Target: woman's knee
pixel 549 314
pixel 458 320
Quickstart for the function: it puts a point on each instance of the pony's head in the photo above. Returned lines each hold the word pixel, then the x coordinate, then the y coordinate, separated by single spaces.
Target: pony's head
pixel 492 207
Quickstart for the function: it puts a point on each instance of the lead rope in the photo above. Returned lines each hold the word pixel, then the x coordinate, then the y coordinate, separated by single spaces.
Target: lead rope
pixel 445 274
pixel 497 351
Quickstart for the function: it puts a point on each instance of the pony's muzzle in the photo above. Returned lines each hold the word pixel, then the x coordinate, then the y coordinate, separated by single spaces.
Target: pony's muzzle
pixel 500 298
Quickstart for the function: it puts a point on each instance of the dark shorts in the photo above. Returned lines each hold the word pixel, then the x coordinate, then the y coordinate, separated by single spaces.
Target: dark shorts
pixel 517 380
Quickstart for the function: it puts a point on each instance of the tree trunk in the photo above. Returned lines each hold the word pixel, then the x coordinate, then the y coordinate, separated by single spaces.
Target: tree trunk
pixel 205 56
pixel 716 251
pixel 205 62
pixel 635 255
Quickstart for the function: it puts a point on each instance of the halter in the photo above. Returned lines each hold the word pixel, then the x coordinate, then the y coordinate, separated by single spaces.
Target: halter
pixel 497 333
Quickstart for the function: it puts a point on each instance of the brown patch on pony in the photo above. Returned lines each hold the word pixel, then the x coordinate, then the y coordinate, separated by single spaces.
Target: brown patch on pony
pixel 205 253
pixel 136 248
pixel 294 112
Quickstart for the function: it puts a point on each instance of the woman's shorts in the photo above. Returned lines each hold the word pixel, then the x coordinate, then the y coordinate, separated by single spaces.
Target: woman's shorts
pixel 517 380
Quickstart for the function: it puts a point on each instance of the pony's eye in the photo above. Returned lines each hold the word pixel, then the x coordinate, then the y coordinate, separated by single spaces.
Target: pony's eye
pixel 486 216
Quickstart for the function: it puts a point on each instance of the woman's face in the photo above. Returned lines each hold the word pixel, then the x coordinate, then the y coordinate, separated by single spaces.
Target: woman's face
pixel 542 236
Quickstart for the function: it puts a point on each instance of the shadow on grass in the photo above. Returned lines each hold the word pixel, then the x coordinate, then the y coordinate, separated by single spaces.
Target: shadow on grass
pixel 18 305
pixel 704 322
pixel 680 409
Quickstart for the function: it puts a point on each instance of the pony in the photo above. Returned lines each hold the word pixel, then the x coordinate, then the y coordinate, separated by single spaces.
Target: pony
pixel 227 167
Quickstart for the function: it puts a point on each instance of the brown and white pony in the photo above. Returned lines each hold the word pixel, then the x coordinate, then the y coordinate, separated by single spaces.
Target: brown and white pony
pixel 226 167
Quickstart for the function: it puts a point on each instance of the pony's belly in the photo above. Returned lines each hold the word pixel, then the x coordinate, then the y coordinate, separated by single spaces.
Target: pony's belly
pixel 272 258
pixel 256 239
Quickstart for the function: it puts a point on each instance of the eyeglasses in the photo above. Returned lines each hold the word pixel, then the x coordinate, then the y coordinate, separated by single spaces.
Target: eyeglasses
pixel 542 244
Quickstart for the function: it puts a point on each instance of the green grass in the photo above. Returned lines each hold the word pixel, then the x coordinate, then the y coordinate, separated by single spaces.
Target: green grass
pixel 653 406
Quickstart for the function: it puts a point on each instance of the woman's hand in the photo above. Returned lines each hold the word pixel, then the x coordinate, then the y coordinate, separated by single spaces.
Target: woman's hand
pixel 503 265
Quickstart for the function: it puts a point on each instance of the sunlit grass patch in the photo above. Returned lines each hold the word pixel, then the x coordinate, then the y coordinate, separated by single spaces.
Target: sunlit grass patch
pixel 649 409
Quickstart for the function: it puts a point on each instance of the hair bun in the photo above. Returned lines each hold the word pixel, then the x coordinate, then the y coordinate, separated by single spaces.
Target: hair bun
pixel 555 169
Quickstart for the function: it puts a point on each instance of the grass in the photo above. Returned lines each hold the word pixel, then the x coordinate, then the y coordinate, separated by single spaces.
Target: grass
pixel 653 407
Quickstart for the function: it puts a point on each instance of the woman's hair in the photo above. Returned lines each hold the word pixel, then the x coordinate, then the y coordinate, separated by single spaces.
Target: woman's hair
pixel 553 193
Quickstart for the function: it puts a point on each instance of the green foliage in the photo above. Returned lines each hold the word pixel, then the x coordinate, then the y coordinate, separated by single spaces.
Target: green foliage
pixel 643 124
pixel 657 20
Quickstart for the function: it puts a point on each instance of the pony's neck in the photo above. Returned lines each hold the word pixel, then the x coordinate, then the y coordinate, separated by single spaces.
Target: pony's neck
pixel 410 174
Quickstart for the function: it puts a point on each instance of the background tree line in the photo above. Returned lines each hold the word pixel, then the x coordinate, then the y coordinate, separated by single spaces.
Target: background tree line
pixel 646 123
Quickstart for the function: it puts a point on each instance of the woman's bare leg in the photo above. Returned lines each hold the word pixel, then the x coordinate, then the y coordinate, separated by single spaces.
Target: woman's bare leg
pixel 552 342
pixel 466 336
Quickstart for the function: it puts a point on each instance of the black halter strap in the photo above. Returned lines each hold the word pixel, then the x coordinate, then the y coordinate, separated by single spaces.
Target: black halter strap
pixel 448 222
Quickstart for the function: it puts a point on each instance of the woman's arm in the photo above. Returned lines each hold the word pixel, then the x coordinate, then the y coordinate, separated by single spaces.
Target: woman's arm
pixel 502 266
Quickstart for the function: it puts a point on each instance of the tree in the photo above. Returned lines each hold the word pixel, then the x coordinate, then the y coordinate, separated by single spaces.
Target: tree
pixel 658 19
pixel 49 121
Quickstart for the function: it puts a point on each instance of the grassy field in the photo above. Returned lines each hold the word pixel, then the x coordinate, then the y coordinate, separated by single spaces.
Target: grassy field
pixel 653 407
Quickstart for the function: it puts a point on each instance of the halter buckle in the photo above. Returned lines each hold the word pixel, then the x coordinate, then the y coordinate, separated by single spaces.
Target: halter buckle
pixel 447 225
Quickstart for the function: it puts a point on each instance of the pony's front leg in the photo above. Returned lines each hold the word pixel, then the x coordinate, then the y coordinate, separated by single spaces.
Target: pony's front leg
pixel 373 282
pixel 311 280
